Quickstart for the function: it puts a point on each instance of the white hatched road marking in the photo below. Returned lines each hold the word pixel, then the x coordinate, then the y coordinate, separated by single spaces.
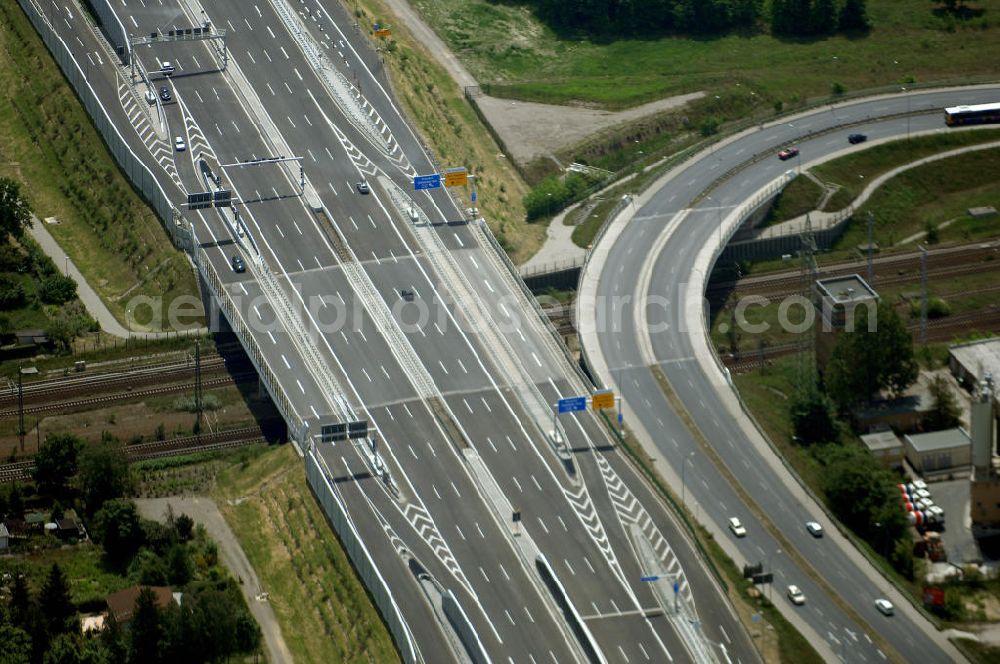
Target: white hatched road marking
pixel 630 510
pixel 160 150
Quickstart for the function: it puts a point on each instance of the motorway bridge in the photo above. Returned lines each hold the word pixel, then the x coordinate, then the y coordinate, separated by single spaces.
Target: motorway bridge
pixel 485 528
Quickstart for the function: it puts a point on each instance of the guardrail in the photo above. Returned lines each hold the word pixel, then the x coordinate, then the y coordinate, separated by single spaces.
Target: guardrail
pixel 515 276
pixel 322 483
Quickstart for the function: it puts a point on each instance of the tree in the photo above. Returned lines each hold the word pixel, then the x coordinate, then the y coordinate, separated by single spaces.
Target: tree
pixel 812 418
pixel 871 358
pixel 824 17
pixel 15 644
pixel 20 602
pixel 104 473
pixel 145 634
pixel 56 463
pixel 56 605
pixel 60 332
pixel 179 567
pixel 184 525
pixel 854 16
pixel 57 289
pixel 944 410
pixel 861 491
pixel 113 640
pixel 119 530
pixel 15 213
pixel 63 649
pixel 148 569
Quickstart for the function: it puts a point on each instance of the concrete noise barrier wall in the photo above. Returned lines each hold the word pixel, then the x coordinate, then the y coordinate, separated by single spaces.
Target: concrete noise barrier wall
pixel 463 627
pixel 322 487
pixel 136 171
pixel 113 28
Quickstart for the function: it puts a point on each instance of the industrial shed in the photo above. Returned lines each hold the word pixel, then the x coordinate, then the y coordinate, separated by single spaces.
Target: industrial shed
pixel 939 452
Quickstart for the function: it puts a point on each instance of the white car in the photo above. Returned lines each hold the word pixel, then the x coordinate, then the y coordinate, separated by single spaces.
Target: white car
pixel 167 68
pixel 884 606
pixel 919 484
pixel 737 527
pixel 413 214
pixel 796 596
pixel 179 144
pixel 814 529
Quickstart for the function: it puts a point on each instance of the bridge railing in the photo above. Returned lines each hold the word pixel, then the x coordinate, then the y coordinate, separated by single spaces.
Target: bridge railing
pixel 236 320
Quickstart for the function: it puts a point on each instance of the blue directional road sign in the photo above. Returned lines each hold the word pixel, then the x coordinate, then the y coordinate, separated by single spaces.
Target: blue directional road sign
pixel 473 197
pixel 426 181
pixel 649 579
pixel 572 404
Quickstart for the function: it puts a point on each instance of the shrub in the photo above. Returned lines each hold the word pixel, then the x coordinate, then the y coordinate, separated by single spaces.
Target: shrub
pixel 57 289
pixel 12 294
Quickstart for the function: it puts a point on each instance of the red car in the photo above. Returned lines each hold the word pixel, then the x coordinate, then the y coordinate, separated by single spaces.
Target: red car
pixel 787 153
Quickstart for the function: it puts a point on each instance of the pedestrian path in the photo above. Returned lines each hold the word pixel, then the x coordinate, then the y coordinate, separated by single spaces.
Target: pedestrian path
pixel 95 306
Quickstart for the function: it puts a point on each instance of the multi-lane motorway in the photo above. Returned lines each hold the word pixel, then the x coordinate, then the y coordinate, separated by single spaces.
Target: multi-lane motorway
pixel 358 305
pixel 641 306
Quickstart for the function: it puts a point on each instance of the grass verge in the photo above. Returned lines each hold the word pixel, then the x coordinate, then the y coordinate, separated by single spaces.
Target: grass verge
pixel 48 142
pixel 322 607
pixel 456 136
pixel 503 43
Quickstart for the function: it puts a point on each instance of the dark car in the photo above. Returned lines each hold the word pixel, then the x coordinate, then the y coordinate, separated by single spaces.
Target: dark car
pixel 238 264
pixel 787 153
pixel 362 187
pixel 854 139
pixel 165 94
pixel 406 294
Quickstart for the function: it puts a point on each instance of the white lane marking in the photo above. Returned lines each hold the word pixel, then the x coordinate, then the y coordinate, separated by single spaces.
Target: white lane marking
pixel 285 360
pixel 301 389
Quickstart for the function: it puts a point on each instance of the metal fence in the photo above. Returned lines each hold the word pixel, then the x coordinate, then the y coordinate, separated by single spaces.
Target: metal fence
pixel 134 168
pixel 113 28
pixel 321 481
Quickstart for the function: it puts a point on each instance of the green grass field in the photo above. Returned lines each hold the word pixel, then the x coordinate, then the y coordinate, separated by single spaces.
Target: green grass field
pixel 47 143
pixel 504 45
pixel 324 612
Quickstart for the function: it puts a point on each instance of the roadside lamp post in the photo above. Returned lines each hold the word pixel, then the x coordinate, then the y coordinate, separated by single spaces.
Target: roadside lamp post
pixel 771 570
pixel 906 92
pixel 684 477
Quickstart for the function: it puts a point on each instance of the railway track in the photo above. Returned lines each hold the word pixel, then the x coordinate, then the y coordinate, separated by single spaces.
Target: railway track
pixel 944 262
pixel 21 470
pixel 73 404
pixel 941 329
pixel 66 388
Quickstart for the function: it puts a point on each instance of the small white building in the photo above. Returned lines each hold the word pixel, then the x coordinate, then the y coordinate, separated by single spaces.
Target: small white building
pixel 939 452
pixel 885 446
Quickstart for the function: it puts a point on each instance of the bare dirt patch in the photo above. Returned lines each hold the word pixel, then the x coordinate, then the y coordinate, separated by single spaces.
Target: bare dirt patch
pixel 531 130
